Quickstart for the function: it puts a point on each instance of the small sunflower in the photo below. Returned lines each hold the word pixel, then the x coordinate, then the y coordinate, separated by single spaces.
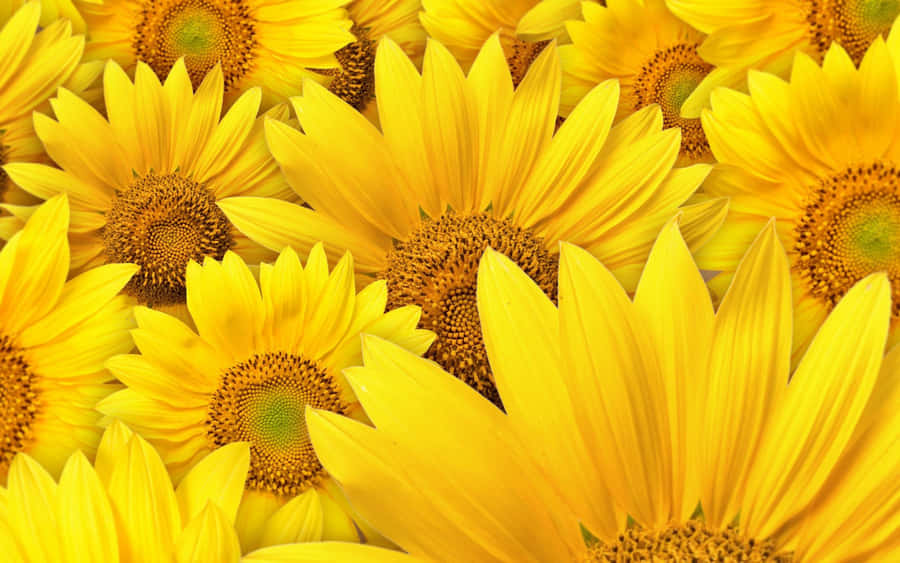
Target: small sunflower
pixel 525 27
pixel 820 154
pixel 34 66
pixel 54 339
pixel 124 508
pixel 622 415
pixel 766 34
pixel 144 183
pixel 652 53
pixel 468 162
pixel 260 355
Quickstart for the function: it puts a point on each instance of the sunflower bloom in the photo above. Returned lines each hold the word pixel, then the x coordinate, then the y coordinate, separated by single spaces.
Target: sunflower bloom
pixel 144 183
pixel 468 162
pixel 819 154
pixel 34 66
pixel 766 34
pixel 636 408
pixel 525 27
pixel 257 360
pixel 652 53
pixel 54 339
pixel 123 507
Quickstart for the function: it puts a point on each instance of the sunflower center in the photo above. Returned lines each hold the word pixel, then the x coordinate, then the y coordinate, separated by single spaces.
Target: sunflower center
pixel 853 24
pixel 354 81
pixel 667 79
pixel 691 541
pixel 522 54
pixel 263 401
pixel 4 178
pixel 436 268
pixel 18 402
pixel 204 32
pixel 161 223
pixel 850 229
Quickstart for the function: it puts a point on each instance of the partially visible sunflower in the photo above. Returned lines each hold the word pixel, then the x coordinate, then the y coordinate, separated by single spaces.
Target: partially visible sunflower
pixel 652 53
pixel 260 355
pixel 821 154
pixel 640 408
pixel 468 162
pixel 766 34
pixel 123 508
pixel 35 63
pixel 144 183
pixel 525 27
pixel 54 339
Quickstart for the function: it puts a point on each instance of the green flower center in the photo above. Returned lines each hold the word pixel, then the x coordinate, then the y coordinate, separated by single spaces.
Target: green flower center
pixel 667 79
pixel 263 401
pixel 850 229
pixel 853 24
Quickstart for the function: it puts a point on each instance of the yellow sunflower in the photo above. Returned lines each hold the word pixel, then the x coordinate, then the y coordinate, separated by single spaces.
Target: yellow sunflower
pixel 272 44
pixel 144 183
pixel 467 162
pixel 54 339
pixel 766 34
pixel 622 415
pixel 260 355
pixel 525 27
pixel 652 53
pixel 820 153
pixel 34 65
pixel 124 508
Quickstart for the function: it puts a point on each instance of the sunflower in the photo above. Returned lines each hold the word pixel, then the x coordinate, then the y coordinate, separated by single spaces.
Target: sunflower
pixel 622 415
pixel 466 163
pixel 54 339
pixel 819 154
pixel 767 33
pixel 144 183
pixel 652 53
pixel 123 507
pixel 525 27
pixel 257 359
pixel 34 66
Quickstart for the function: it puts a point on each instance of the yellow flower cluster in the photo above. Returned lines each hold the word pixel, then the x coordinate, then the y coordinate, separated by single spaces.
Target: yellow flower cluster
pixel 449 280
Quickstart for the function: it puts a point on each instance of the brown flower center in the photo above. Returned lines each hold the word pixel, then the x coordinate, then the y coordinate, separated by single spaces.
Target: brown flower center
pixel 436 268
pixel 850 229
pixel 18 402
pixel 263 401
pixel 204 32
pixel 691 541
pixel 354 81
pixel 521 55
pixel 667 79
pixel 853 24
pixel 161 223
pixel 4 178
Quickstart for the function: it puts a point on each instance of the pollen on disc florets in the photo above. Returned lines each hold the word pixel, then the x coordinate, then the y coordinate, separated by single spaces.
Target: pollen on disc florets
pixel 853 24
pixel 19 402
pixel 204 32
pixel 521 55
pixel 161 223
pixel 849 229
pixel 262 401
pixel 354 81
pixel 436 268
pixel 667 79
pixel 690 541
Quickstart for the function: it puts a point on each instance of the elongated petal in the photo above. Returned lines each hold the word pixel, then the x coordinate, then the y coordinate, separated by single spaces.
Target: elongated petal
pixel 86 524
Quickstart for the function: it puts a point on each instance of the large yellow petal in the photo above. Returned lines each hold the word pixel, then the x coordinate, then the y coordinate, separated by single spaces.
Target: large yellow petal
pixel 616 386
pixel 218 479
pixel 749 368
pixel 86 523
pixel 526 369
pixel 32 504
pixel 299 520
pixel 821 408
pixel 678 315
pixel 208 537
pixel 327 552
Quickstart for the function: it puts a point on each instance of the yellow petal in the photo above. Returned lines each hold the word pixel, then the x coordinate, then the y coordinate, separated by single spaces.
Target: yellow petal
pixel 219 479
pixel 300 520
pixel 328 552
pixel 33 507
pixel 208 537
pixel 86 524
